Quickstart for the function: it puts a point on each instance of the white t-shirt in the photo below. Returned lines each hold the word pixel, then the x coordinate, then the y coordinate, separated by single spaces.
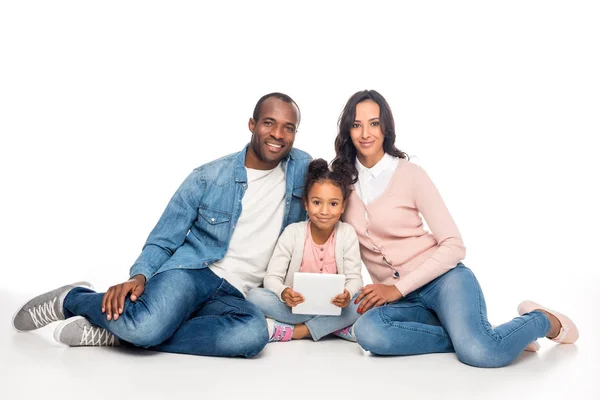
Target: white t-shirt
pixel 257 230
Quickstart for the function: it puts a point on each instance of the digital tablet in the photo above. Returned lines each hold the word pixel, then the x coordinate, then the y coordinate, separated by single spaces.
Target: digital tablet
pixel 318 291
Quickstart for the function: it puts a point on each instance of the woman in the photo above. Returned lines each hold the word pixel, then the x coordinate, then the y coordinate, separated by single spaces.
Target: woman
pixel 423 299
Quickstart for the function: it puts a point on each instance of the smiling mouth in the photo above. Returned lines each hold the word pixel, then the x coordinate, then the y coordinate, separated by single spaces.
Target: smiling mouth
pixel 275 146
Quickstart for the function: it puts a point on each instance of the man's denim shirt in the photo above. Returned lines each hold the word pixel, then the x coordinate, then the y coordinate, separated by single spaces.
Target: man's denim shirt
pixel 196 227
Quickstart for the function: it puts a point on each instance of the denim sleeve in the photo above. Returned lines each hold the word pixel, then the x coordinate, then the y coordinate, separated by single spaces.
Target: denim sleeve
pixel 172 227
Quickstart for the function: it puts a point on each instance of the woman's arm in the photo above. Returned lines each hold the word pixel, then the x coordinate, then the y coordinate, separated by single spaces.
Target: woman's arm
pixel 451 249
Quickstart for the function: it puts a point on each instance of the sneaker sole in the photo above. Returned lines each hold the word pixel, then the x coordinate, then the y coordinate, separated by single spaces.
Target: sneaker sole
pixel 84 284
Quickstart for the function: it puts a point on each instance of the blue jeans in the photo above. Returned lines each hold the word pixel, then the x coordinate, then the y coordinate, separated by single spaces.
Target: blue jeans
pixel 190 311
pixel 318 325
pixel 448 314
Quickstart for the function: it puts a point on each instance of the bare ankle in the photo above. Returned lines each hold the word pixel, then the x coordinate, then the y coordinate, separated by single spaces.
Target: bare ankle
pixel 554 325
pixel 300 332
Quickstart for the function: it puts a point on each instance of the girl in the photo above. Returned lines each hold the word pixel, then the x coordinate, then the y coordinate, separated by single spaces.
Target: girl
pixel 423 300
pixel 324 245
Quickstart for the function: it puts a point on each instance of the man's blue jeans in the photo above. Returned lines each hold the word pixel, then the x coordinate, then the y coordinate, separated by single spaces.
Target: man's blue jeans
pixel 190 311
pixel 318 325
pixel 448 314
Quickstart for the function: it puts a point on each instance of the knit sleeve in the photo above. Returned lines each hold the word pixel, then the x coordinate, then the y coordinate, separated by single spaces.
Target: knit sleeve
pixel 451 249
pixel 352 262
pixel 280 262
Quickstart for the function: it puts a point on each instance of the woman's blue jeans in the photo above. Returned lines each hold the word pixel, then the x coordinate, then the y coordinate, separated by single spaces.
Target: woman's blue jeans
pixel 448 314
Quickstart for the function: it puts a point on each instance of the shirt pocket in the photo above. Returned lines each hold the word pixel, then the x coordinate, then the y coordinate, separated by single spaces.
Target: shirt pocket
pixel 214 226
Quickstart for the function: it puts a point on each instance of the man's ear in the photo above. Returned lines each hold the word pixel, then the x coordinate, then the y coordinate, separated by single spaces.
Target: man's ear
pixel 251 124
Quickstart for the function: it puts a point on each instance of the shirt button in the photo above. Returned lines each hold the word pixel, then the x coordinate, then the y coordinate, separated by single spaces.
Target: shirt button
pixel 320 259
pixel 212 220
pixel 321 249
pixel 321 269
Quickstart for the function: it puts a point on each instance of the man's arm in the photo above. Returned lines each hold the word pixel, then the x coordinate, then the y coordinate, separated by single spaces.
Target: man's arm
pixel 173 226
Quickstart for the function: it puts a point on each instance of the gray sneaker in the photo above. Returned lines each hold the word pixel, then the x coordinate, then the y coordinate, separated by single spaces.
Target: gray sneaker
pixel 45 308
pixel 78 331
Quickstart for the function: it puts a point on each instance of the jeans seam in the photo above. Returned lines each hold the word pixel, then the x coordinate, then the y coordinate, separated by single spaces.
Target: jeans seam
pixel 389 322
pixel 313 337
pixel 429 286
pixel 213 295
pixel 518 328
pixel 488 332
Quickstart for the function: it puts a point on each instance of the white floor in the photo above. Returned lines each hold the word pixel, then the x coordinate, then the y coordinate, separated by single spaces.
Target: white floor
pixel 33 366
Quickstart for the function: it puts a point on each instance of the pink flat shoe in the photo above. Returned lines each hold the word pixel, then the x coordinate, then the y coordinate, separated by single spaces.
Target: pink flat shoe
pixel 568 331
pixel 533 346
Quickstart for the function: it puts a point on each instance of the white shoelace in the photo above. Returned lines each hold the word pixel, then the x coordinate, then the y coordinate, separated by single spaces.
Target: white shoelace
pixel 43 314
pixel 96 336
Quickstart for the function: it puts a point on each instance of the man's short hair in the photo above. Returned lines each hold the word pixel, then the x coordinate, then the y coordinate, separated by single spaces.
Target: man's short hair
pixel 277 95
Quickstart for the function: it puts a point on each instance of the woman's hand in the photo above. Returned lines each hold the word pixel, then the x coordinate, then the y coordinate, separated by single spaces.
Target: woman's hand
pixel 113 301
pixel 291 298
pixel 341 300
pixel 376 295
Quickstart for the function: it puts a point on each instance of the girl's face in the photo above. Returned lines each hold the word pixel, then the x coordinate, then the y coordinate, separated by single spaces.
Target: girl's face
pixel 325 204
pixel 366 133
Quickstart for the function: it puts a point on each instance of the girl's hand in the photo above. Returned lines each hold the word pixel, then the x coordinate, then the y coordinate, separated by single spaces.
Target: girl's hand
pixel 376 295
pixel 291 298
pixel 341 300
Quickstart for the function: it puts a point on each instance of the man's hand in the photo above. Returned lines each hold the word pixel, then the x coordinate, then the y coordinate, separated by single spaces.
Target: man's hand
pixel 291 298
pixel 113 301
pixel 376 295
pixel 342 300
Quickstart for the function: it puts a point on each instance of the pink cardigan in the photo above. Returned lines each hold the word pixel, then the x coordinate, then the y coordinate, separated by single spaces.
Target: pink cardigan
pixel 394 245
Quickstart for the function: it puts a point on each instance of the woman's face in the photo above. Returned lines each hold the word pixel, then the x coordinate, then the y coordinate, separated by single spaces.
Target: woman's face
pixel 366 133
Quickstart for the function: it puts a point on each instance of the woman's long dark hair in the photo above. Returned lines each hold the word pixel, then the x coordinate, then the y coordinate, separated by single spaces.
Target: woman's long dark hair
pixel 345 152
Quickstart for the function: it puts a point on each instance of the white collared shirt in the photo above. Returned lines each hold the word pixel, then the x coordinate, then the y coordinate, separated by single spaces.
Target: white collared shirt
pixel 372 181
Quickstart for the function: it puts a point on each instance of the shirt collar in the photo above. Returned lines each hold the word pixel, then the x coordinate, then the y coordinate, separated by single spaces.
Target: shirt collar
pixel 386 163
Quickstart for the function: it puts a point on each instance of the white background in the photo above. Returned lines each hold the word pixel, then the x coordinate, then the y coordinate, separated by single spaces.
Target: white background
pixel 105 107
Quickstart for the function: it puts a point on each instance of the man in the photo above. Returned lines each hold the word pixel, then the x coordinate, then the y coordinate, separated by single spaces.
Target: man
pixel 211 245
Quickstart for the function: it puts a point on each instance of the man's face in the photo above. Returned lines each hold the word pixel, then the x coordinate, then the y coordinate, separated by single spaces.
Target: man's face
pixel 273 134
